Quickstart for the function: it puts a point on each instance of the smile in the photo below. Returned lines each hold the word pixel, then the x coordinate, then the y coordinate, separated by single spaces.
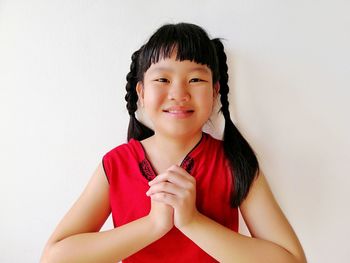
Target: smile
pixel 179 113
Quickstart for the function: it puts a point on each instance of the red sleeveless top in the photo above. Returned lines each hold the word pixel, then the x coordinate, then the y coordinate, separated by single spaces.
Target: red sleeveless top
pixel 128 172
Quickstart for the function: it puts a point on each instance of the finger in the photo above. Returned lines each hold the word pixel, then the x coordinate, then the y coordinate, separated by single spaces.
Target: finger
pixel 180 170
pixel 173 169
pixel 173 177
pixel 169 176
pixel 165 187
pixel 165 198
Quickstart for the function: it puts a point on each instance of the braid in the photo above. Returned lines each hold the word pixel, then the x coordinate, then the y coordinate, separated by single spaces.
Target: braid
pixel 242 159
pixel 131 95
pixel 136 129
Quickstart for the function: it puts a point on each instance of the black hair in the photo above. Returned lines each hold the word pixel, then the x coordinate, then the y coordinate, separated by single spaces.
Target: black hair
pixel 192 43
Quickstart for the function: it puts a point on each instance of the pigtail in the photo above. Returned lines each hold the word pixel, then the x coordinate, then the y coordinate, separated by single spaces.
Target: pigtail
pixel 136 130
pixel 241 156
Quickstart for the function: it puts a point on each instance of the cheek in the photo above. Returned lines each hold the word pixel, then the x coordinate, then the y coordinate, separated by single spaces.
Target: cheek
pixel 210 108
pixel 153 97
pixel 208 100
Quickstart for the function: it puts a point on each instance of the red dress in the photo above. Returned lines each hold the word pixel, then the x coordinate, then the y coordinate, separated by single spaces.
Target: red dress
pixel 128 172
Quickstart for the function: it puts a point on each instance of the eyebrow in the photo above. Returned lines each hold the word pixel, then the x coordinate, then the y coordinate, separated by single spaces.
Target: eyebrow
pixel 201 69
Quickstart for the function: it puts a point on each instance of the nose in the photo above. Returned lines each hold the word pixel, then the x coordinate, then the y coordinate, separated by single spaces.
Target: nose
pixel 179 92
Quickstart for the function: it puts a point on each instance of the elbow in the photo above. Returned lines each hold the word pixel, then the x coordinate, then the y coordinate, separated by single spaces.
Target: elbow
pixel 295 256
pixel 46 256
pixel 299 257
pixel 50 254
pixel 44 259
pixel 300 260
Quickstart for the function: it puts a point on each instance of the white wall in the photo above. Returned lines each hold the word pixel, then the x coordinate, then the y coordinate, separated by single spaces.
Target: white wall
pixel 62 76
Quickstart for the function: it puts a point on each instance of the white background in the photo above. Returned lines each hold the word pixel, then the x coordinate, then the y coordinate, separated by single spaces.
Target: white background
pixel 62 84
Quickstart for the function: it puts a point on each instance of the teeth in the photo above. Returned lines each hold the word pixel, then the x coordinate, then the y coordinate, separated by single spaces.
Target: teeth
pixel 177 111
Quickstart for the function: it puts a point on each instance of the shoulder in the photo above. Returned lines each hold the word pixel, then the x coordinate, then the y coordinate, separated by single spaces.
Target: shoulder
pixel 122 156
pixel 210 139
pixel 122 149
pixel 212 144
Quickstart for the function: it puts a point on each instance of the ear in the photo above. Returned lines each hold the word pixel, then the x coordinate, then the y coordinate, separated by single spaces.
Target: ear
pixel 216 89
pixel 140 92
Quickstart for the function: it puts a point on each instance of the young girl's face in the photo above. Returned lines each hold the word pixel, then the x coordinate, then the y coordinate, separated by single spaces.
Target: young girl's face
pixel 177 96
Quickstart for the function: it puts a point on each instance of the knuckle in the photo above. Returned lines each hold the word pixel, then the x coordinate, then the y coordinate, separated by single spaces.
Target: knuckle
pixel 171 173
pixel 181 203
pixel 189 185
pixel 186 194
pixel 165 185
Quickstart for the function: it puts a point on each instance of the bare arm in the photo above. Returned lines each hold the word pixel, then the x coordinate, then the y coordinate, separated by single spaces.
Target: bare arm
pixel 76 238
pixel 273 239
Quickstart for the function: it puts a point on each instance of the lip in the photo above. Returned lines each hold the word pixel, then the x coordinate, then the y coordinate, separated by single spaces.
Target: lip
pixel 179 112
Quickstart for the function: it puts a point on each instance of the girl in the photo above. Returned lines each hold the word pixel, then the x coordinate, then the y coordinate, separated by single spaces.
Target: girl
pixel 174 191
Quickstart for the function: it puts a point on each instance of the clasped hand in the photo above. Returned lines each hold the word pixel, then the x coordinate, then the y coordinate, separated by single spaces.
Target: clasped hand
pixel 176 188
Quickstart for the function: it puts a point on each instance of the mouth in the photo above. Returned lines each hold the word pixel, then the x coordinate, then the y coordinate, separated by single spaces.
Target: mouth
pixel 179 112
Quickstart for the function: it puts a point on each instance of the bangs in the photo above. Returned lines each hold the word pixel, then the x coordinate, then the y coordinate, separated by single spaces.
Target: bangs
pixel 190 42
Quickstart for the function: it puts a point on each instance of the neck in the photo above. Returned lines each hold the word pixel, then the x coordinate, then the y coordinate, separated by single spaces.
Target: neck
pixel 176 148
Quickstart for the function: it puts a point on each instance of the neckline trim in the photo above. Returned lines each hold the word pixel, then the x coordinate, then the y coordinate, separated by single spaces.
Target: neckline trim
pixel 147 169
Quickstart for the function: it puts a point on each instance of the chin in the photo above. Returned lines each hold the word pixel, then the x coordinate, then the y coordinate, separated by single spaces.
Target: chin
pixel 179 132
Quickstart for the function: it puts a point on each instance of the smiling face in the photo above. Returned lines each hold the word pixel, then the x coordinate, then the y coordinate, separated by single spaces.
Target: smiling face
pixel 177 96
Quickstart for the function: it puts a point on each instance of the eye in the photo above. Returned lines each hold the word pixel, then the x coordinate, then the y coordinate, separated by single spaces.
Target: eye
pixel 196 80
pixel 164 80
